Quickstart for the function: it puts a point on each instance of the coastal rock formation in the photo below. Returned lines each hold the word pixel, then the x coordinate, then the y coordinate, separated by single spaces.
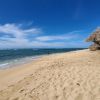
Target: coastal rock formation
pixel 95 38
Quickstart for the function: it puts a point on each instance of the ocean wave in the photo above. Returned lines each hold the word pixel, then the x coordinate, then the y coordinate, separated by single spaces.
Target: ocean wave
pixel 3 65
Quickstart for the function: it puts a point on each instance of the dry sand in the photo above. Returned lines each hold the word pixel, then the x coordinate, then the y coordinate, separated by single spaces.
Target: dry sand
pixel 66 76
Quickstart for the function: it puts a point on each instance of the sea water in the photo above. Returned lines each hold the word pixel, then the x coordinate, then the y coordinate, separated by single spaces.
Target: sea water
pixel 13 57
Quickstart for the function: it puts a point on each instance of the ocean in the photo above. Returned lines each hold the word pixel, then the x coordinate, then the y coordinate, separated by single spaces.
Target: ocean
pixel 13 57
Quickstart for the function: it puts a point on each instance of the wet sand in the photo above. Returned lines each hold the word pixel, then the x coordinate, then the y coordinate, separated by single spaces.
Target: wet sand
pixel 66 76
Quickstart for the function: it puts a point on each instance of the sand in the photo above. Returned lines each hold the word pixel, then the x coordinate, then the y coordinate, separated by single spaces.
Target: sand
pixel 66 76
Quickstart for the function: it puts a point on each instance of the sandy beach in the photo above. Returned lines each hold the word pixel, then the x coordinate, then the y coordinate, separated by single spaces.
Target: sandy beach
pixel 66 76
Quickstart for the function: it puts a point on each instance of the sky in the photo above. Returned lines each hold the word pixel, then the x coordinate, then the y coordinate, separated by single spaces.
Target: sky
pixel 47 23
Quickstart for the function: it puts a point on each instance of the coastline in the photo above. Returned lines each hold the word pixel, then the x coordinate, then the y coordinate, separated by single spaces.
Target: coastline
pixel 15 62
pixel 70 75
pixel 18 62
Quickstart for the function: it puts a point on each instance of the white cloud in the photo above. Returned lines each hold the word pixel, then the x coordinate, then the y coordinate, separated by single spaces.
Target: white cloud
pixel 50 38
pixel 16 36
pixel 59 37
pixel 73 44
pixel 19 36
pixel 16 30
pixel 67 36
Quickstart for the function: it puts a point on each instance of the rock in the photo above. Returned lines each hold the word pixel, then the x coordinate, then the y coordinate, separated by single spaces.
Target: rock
pixel 95 38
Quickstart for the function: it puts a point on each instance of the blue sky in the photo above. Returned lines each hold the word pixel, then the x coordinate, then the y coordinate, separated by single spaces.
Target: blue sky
pixel 47 23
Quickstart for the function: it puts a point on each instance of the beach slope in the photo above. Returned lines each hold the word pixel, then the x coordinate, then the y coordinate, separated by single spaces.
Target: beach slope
pixel 65 76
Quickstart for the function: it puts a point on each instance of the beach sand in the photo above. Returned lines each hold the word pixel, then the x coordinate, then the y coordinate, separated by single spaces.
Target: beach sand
pixel 65 76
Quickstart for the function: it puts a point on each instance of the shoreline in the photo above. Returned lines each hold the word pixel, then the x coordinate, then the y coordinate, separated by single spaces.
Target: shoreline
pixel 76 73
pixel 21 61
pixel 18 62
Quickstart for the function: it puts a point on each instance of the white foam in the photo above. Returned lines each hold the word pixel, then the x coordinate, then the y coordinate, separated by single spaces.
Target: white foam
pixel 16 62
pixel 5 64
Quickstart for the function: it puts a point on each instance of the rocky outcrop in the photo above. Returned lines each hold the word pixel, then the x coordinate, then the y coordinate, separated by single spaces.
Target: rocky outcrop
pixel 95 38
